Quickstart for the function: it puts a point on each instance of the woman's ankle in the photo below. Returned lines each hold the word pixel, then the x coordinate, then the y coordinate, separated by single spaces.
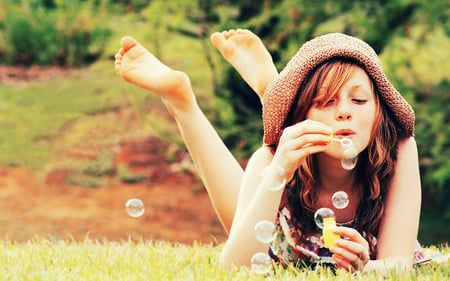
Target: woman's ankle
pixel 182 108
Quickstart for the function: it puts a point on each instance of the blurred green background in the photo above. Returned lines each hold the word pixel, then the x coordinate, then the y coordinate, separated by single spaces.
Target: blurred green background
pixel 410 36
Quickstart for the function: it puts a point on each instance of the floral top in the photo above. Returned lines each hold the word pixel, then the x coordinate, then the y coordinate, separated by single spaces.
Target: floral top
pixel 287 248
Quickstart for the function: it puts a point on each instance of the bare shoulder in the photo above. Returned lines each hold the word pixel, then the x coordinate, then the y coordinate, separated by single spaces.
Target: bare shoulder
pixel 398 229
pixel 407 175
pixel 407 150
pixel 407 143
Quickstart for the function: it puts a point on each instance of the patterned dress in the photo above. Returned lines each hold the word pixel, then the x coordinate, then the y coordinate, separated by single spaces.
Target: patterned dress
pixel 288 248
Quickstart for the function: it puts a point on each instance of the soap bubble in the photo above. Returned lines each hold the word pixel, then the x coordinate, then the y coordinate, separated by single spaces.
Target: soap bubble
pixel 135 207
pixel 265 231
pixel 340 200
pixel 275 184
pixel 261 263
pixel 349 158
pixel 349 153
pixel 321 214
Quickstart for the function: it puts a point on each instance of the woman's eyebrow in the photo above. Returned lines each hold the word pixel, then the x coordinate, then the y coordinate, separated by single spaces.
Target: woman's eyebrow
pixel 360 87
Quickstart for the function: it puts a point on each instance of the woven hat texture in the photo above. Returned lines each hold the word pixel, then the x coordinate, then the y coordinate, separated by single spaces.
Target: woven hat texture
pixel 281 92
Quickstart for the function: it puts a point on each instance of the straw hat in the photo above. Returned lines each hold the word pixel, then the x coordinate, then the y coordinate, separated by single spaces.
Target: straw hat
pixel 281 92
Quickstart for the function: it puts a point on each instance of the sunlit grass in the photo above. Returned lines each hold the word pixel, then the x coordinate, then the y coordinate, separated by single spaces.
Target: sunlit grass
pixel 49 259
pixel 35 112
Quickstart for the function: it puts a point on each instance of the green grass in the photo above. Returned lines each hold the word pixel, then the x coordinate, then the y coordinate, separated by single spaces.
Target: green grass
pixel 50 259
pixel 35 112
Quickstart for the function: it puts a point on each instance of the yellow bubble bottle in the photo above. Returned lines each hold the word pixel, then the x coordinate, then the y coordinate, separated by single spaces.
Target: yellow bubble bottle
pixel 328 236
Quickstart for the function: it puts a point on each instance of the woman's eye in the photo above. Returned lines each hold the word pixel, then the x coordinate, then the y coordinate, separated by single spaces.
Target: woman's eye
pixel 360 101
pixel 329 102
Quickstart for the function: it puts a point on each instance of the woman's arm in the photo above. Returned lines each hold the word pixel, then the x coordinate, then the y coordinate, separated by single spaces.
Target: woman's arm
pixel 399 227
pixel 219 170
pixel 256 202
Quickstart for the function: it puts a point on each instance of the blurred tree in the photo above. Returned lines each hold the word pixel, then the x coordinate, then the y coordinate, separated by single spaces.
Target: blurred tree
pixel 49 4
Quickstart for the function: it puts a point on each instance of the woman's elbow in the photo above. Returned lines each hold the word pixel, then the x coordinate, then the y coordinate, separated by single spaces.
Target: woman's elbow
pixel 229 259
pixel 226 260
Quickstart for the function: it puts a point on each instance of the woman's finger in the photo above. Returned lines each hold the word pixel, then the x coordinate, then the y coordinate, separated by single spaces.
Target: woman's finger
pixel 351 253
pixel 307 126
pixel 359 249
pixel 290 153
pixel 351 234
pixel 344 264
pixel 355 253
pixel 303 142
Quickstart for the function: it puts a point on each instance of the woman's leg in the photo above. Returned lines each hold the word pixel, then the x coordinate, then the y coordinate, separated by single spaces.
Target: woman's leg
pixel 248 55
pixel 217 167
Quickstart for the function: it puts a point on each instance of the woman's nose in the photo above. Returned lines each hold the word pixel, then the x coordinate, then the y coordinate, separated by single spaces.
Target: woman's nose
pixel 343 113
pixel 344 116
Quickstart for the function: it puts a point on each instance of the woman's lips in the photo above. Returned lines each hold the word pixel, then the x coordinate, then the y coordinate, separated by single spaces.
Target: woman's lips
pixel 344 133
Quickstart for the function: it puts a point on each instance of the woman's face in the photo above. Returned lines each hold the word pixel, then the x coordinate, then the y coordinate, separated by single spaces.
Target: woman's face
pixel 350 113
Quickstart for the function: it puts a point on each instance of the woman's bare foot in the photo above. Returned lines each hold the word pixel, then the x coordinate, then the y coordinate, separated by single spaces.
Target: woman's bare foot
pixel 137 65
pixel 248 55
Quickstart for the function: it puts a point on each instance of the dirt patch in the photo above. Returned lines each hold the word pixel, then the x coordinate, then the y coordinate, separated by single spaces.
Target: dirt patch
pixel 20 74
pixel 173 211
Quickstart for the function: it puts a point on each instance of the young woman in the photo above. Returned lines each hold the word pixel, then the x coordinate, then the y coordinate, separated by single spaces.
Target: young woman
pixel 334 86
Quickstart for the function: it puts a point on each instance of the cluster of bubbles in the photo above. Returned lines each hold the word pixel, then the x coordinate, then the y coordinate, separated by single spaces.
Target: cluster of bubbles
pixel 265 230
pixel 339 200
pixel 135 207
pixel 261 263
pixel 265 233
pixel 349 153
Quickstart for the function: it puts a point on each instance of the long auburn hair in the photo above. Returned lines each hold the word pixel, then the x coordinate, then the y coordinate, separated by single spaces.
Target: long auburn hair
pixel 375 166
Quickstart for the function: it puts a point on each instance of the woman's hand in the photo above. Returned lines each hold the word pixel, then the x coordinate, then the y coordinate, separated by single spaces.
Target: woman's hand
pixel 353 254
pixel 297 142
